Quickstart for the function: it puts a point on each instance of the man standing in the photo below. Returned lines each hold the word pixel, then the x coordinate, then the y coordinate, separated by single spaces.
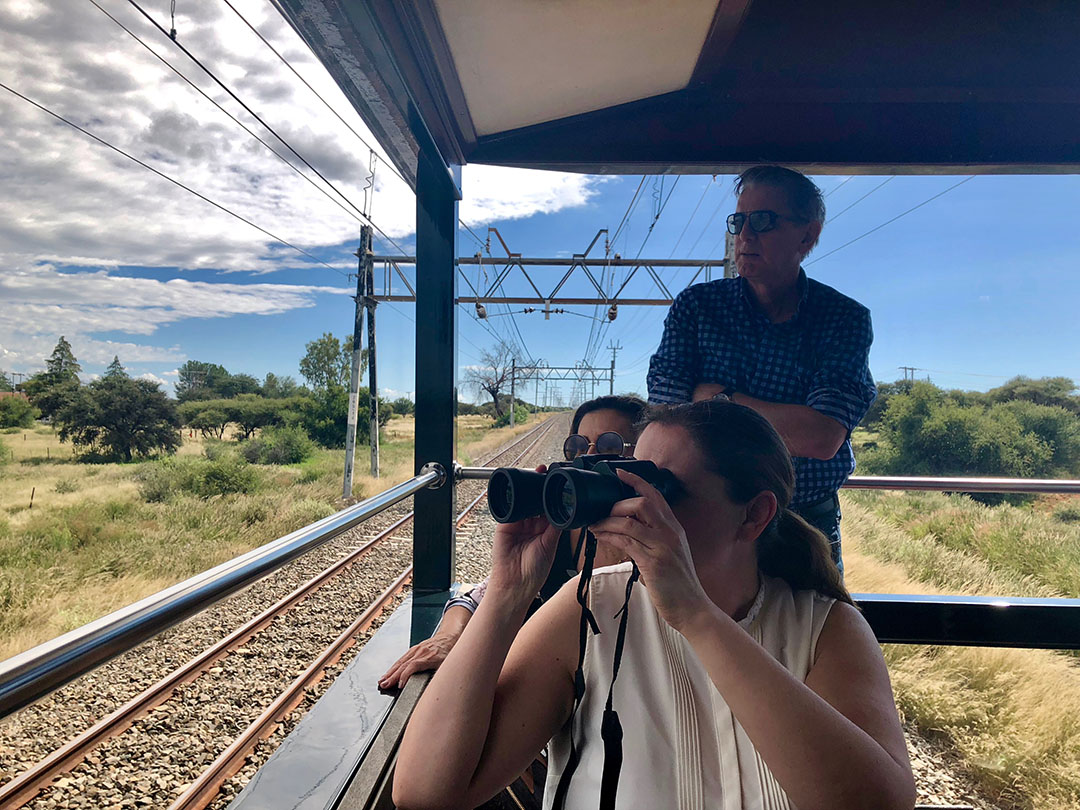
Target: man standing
pixel 787 346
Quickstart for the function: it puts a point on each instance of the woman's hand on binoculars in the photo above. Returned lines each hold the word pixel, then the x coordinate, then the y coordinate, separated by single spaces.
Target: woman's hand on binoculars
pixel 522 555
pixel 645 529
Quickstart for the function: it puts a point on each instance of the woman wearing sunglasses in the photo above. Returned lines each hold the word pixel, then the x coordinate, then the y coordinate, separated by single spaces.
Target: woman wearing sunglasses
pixel 745 676
pixel 601 425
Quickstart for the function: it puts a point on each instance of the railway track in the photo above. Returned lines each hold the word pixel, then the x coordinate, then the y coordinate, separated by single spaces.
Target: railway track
pixel 234 693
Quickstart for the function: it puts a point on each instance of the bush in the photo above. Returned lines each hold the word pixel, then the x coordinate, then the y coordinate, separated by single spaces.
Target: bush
pixel 289 445
pixel 65 485
pixel 521 415
pixel 17 412
pixel 403 406
pixel 160 481
pixel 1068 514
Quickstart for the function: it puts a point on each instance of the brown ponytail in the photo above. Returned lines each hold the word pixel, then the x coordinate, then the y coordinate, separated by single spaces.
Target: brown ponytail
pixel 798 553
pixel 742 447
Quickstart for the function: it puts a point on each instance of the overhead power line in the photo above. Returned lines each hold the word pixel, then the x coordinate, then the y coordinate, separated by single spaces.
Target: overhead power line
pixel 889 222
pixel 863 197
pixel 235 120
pixel 258 118
pixel 164 176
pixel 693 213
pixel 629 208
pixel 319 96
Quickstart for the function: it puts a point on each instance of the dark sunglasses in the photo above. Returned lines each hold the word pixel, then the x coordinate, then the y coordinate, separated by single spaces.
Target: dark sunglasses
pixel 609 443
pixel 760 221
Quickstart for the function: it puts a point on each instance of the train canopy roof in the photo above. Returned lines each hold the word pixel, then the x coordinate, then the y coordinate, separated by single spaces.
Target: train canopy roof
pixel 682 86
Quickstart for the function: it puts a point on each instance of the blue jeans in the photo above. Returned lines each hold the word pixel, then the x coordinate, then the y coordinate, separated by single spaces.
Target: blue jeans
pixel 825 517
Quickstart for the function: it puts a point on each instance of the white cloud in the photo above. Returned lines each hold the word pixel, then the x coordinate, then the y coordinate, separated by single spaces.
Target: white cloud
pixel 154 378
pixel 70 202
pixel 41 303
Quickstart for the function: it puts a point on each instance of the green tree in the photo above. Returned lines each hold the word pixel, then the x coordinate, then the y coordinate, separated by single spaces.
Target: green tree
pixel 62 364
pixel 403 406
pixel 198 380
pixel 325 416
pixel 327 362
pixel 5 384
pixel 115 369
pixel 210 422
pixel 16 411
pixel 50 395
pixel 275 387
pixel 121 418
pixel 1057 391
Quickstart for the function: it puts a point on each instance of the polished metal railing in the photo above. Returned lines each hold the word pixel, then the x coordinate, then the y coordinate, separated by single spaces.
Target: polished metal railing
pixel 904 482
pixel 30 675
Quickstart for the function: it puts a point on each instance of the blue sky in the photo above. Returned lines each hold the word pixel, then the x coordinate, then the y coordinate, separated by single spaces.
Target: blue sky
pixel 974 287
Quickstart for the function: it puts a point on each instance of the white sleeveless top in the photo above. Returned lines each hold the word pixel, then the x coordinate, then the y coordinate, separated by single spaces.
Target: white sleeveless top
pixel 682 747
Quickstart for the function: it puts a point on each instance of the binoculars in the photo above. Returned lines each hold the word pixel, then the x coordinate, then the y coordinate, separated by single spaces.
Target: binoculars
pixel 571 494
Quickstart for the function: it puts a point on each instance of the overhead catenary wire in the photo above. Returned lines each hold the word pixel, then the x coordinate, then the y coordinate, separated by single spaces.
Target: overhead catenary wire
pixel 318 95
pixel 175 182
pixel 885 182
pixel 693 213
pixel 890 221
pixel 257 117
pixel 393 169
pixel 236 120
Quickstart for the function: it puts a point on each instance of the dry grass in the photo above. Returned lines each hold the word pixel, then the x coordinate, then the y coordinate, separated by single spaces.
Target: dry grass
pixel 1012 716
pixel 90 544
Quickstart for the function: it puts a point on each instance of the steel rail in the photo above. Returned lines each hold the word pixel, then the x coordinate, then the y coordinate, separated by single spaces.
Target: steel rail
pixel 31 675
pixel 889 482
pixel 26 785
pixel 206 787
pixel 32 781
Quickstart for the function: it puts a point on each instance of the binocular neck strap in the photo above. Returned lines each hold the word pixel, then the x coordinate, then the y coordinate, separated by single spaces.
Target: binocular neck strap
pixel 610 728
pixel 611 732
pixel 588 622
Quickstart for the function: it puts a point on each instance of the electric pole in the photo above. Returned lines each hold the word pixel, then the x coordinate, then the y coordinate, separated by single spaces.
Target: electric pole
pixel 373 387
pixel 354 376
pixel 615 349
pixel 729 256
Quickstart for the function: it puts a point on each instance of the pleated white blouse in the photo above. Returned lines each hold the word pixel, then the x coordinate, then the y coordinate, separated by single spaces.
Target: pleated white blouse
pixel 682 747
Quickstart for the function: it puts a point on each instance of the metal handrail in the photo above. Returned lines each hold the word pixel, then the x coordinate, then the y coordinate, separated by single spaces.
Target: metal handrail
pixel 31 675
pixel 908 482
pixel 942 484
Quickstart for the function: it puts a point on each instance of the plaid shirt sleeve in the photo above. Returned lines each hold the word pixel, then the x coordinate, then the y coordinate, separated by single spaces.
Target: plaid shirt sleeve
pixel 841 386
pixel 673 369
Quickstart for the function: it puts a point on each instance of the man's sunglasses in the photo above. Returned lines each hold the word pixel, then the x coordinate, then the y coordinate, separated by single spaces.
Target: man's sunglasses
pixel 760 221
pixel 608 444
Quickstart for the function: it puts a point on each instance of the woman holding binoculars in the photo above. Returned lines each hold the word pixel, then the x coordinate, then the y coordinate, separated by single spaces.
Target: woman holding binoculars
pixel 745 676
pixel 601 425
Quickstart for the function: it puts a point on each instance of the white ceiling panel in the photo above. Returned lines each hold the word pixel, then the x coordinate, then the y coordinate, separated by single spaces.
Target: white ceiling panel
pixel 522 62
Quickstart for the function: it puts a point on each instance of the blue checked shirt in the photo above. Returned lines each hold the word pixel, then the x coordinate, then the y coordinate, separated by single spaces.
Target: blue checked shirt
pixel 716 333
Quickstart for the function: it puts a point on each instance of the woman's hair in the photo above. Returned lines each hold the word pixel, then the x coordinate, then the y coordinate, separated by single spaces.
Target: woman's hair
pixel 740 446
pixel 632 407
pixel 803 194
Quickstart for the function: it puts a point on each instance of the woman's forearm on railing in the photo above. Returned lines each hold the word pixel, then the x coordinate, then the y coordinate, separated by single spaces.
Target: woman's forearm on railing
pixel 446 736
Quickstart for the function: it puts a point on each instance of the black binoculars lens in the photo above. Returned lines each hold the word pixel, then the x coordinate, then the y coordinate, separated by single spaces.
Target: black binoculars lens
pixel 514 494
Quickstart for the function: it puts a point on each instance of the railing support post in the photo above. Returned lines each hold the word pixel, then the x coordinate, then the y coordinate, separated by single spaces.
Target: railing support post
pixel 436 387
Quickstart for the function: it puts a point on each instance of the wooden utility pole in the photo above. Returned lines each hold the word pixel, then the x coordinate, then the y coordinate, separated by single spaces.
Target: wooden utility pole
pixel 513 379
pixel 368 268
pixel 729 256
pixel 357 352
pixel 615 348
